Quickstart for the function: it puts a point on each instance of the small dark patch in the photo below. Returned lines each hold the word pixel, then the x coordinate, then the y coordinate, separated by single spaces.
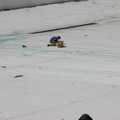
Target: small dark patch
pixel 18 76
pixel 24 46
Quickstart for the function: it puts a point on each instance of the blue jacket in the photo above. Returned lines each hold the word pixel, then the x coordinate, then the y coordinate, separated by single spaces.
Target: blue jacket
pixel 54 38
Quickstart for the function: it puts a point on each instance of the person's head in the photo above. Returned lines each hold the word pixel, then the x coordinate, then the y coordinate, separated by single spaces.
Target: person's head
pixel 59 37
pixel 85 117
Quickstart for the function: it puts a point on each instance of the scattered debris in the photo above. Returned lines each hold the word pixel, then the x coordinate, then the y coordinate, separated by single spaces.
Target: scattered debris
pixel 3 66
pixel 18 76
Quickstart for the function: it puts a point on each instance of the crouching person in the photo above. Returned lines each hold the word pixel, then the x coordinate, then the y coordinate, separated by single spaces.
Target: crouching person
pixel 54 41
